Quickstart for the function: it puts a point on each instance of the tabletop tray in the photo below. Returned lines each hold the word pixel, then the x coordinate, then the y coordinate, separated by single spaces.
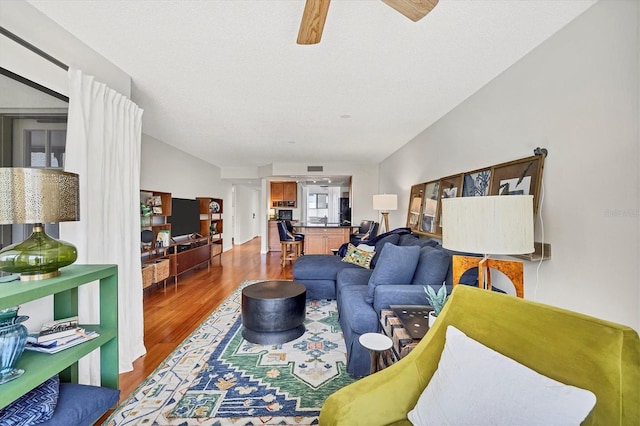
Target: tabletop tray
pixel 414 318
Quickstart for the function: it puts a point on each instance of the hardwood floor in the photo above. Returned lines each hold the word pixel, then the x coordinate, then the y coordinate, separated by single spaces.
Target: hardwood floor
pixel 169 317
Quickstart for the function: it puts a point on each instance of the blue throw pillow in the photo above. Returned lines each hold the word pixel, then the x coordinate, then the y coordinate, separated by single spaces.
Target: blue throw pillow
pixel 33 407
pixel 82 405
pixel 432 268
pixel 391 238
pixel 396 265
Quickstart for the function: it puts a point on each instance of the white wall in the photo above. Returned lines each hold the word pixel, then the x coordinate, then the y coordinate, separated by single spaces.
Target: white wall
pixel 167 169
pixel 577 95
pixel 247 214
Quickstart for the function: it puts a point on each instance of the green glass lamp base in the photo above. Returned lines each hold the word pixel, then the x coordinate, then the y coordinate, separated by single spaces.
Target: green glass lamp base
pixel 38 257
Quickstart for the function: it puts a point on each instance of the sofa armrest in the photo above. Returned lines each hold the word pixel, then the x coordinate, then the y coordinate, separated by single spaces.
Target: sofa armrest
pixel 398 294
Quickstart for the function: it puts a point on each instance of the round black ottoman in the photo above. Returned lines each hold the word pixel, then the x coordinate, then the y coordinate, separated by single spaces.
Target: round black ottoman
pixel 273 312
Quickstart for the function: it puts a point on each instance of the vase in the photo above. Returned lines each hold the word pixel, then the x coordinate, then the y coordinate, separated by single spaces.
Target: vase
pixel 13 338
pixel 432 318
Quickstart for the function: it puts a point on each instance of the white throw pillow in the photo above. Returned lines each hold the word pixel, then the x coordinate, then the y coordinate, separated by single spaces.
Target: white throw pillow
pixel 475 385
pixel 365 247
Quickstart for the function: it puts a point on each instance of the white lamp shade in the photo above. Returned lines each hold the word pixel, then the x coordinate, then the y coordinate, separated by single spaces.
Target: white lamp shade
pixel 501 224
pixel 385 202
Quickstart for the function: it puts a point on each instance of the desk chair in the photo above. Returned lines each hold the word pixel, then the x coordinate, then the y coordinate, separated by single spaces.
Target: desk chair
pixel 367 230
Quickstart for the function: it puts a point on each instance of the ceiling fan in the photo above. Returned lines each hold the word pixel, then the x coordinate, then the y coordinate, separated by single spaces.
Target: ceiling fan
pixel 315 14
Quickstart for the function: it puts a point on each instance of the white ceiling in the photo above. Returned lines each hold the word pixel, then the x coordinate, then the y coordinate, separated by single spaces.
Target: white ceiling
pixel 226 82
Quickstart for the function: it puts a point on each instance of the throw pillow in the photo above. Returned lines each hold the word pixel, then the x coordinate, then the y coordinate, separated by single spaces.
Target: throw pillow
pixel 477 385
pixel 365 247
pixel 390 238
pixel 33 407
pixel 396 265
pixel 358 257
pixel 433 266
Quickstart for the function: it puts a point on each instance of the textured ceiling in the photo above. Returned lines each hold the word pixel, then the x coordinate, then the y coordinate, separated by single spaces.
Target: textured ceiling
pixel 226 82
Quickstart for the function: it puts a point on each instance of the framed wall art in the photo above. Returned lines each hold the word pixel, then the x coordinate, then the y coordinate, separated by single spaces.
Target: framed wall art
pixel 450 187
pixel 522 176
pixel 519 177
pixel 476 183
pixel 430 207
pixel 415 206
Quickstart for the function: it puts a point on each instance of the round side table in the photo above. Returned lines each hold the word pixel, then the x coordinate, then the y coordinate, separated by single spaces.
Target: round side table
pixel 376 343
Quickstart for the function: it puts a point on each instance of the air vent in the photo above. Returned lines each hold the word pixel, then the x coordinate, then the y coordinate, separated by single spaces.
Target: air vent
pixel 315 168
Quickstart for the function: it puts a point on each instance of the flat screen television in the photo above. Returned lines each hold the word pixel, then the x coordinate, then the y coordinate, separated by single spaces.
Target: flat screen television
pixel 185 217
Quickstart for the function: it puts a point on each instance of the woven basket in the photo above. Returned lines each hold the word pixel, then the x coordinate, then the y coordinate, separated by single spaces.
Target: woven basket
pixel 216 249
pixel 147 275
pixel 160 270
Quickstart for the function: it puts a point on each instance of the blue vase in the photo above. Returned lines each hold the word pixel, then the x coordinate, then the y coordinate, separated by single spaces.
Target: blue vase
pixel 13 338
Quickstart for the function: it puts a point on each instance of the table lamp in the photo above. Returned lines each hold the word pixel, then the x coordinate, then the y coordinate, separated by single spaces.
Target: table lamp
pixel 385 203
pixel 489 225
pixel 38 196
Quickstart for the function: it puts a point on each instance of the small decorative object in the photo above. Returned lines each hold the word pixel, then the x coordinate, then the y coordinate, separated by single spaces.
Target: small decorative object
pixel 214 207
pixel 13 338
pixel 436 300
pixel 157 209
pixel 38 196
pixel 213 228
pixel 145 210
pixel 163 237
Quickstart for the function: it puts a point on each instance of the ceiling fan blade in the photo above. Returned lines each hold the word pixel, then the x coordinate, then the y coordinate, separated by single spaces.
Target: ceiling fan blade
pixel 313 18
pixel 412 9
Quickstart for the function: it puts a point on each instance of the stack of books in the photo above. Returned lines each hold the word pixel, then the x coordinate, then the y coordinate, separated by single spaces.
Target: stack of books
pixel 59 335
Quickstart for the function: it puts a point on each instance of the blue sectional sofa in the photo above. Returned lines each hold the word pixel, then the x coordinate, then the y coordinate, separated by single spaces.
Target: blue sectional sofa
pixel 402 266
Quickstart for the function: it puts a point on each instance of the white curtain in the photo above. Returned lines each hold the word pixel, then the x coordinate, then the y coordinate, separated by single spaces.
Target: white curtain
pixel 103 146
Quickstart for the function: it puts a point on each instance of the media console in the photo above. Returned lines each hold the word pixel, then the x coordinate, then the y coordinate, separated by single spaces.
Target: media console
pixel 186 255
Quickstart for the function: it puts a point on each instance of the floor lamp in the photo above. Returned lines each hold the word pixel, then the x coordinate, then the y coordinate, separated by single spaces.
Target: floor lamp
pixel 384 203
pixel 493 225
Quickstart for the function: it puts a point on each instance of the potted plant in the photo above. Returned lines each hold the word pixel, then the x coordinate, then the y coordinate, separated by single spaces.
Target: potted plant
pixel 436 300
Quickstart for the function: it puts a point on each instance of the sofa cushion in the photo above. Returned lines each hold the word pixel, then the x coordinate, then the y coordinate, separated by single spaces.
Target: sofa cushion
pixel 494 389
pixel 358 257
pixel 35 406
pixel 396 265
pixel 407 239
pixel 389 238
pixel 433 266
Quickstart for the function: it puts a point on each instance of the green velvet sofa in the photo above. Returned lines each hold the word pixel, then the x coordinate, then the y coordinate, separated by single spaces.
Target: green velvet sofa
pixel 572 348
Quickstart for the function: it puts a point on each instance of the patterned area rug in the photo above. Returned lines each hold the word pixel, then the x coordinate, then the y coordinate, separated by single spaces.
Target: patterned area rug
pixel 215 377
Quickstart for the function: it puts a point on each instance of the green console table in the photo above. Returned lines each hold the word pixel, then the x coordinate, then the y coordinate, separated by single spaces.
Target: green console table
pixel 40 366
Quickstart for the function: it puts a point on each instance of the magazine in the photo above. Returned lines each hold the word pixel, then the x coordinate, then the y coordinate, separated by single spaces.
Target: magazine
pixel 55 346
pixel 59 328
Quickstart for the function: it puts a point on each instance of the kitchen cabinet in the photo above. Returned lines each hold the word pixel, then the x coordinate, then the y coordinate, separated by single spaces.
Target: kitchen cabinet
pixel 320 240
pixel 284 194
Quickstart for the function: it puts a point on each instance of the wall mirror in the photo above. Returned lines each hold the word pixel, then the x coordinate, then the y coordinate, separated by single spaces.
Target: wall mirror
pixel 33 131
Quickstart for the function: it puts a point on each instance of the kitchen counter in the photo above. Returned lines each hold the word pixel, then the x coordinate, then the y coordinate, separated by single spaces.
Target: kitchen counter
pixel 319 238
pixel 322 225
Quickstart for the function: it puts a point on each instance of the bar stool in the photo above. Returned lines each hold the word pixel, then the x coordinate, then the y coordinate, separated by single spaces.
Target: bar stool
pixel 291 245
